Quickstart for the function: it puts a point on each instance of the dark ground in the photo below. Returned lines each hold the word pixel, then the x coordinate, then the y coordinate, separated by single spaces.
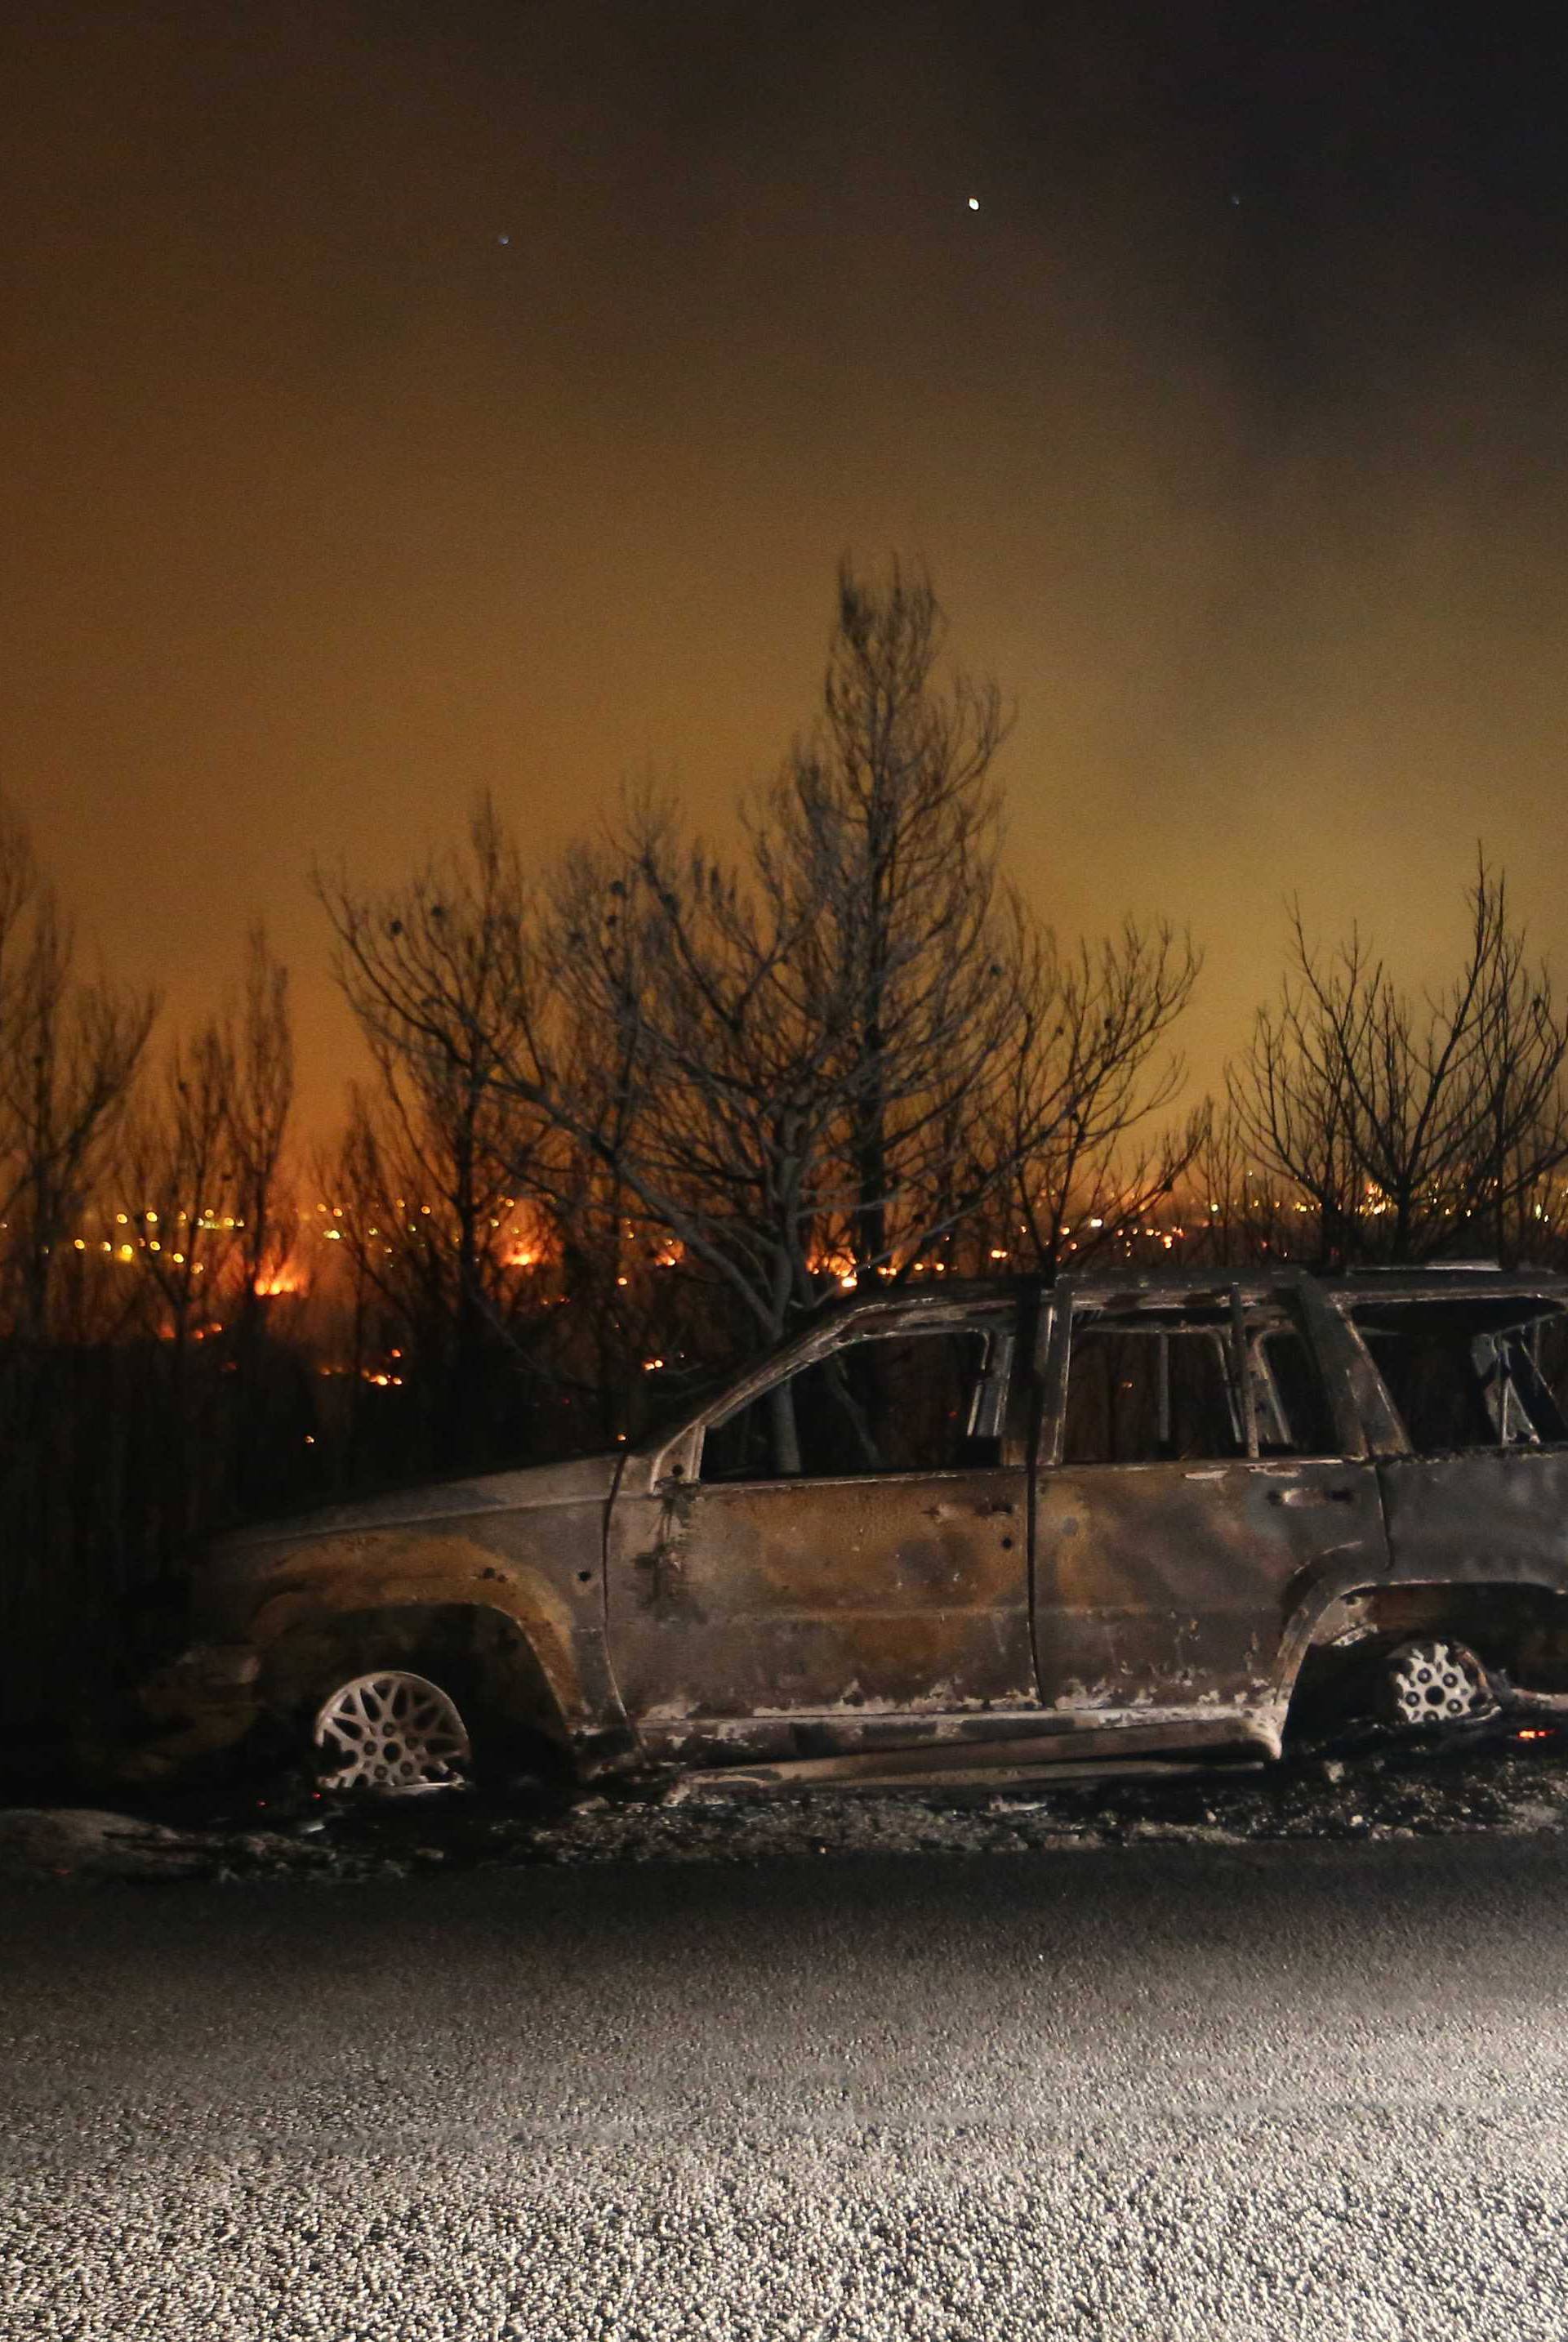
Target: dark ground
pixel 1383 1789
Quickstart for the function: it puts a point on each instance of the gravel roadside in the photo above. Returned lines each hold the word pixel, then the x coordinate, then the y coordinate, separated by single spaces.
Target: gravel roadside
pixel 1168 2088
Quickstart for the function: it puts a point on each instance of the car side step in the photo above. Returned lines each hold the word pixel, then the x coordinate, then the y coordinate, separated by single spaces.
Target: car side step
pixel 875 1770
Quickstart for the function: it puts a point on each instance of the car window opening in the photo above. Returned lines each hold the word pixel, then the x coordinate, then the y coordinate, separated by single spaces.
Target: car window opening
pixel 1461 1376
pixel 1165 1388
pixel 911 1401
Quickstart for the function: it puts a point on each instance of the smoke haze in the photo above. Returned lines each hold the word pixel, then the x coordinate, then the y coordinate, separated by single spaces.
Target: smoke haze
pixel 402 401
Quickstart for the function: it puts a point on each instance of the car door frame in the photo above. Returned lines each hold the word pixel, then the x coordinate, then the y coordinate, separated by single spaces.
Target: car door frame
pixel 1479 1515
pixel 650 1534
pixel 1268 1504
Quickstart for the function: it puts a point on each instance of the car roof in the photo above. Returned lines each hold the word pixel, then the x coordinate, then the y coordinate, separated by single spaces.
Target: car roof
pixel 1433 1279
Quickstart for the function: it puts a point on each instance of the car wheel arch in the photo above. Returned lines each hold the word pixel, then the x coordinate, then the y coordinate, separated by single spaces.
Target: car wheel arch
pixel 1510 1617
pixel 483 1654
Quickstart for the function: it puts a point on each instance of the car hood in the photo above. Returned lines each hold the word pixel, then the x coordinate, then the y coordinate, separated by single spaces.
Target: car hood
pixel 586 1479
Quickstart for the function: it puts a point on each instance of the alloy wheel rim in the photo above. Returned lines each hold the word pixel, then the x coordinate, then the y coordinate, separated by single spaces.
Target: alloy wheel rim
pixel 1436 1682
pixel 392 1733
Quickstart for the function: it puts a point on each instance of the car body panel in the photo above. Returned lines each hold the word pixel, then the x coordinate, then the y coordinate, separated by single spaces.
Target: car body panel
pixel 1170 1586
pixel 904 1595
pixel 1482 1517
pixel 1167 1588
pixel 526 1547
pixel 1492 1511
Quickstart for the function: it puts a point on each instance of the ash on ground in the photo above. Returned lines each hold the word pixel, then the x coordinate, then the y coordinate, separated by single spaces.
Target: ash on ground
pixel 1498 1782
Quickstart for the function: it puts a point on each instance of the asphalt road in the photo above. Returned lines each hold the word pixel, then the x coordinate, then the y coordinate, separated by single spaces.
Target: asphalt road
pixel 1161 2091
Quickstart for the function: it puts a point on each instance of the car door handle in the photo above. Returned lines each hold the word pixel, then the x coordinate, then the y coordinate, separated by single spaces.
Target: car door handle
pixel 1310 1495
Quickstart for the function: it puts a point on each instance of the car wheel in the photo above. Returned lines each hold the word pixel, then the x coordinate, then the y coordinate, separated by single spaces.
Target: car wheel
pixel 392 1734
pixel 1435 1682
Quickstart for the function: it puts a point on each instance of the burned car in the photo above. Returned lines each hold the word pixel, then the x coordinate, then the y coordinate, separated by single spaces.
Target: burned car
pixel 969 1529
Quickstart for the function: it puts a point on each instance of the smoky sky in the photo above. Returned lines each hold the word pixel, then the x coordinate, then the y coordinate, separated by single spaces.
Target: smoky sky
pixel 401 401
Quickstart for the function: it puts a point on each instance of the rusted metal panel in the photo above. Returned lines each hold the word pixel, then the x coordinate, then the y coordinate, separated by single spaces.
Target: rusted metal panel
pixel 1489 1515
pixel 1170 1586
pixel 1046 1758
pixel 391 1570
pixel 1363 1420
pixel 526 1547
pixel 784 1598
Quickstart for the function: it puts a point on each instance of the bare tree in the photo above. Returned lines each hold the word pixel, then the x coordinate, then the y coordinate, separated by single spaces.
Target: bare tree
pixel 1234 1213
pixel 203 1157
pixel 179 1218
pixel 813 1068
pixel 819 1061
pixel 703 1064
pixel 259 1040
pixel 877 846
pixel 180 1185
pixel 69 1053
pixel 1291 1101
pixel 779 1072
pixel 1408 1124
pixel 437 975
pixel 1091 1077
pixel 1523 1118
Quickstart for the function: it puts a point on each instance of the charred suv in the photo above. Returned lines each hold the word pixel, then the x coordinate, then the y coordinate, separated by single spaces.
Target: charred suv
pixel 984 1526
